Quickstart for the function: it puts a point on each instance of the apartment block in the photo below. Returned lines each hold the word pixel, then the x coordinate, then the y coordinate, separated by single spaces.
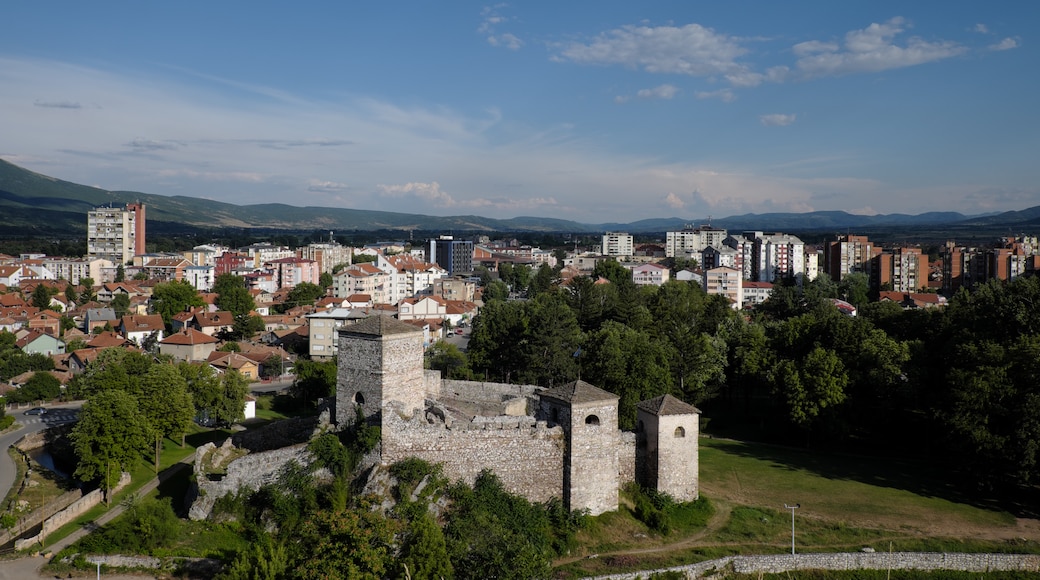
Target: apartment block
pixel 690 242
pixel 116 234
pixel 848 254
pixel 617 244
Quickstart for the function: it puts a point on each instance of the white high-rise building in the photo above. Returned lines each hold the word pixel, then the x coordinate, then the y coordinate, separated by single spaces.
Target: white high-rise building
pixel 617 244
pixel 689 243
pixel 116 234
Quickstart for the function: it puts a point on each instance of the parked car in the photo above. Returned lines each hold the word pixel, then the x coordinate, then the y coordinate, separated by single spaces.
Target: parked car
pixel 36 411
pixel 458 331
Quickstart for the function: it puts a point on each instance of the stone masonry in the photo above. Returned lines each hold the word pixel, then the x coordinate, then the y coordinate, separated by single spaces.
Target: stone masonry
pixel 542 443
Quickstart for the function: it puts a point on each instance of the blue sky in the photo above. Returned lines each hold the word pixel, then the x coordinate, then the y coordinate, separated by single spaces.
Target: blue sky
pixel 594 111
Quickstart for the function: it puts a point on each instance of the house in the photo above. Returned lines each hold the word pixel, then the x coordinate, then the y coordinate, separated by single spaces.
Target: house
pixel 687 275
pixel 108 339
pixel 362 279
pixel 10 275
pixel 649 274
pixel 233 361
pixel 212 323
pixel 188 345
pixel 37 342
pixel 913 300
pixel 182 320
pixel 112 289
pixel 756 292
pixel 98 318
pixel 47 321
pixel 138 328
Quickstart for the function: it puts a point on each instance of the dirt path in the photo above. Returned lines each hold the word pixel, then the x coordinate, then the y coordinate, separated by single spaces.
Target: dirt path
pixel 715 523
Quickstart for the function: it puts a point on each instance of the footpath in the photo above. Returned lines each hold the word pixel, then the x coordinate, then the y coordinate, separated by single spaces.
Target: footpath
pixel 29 567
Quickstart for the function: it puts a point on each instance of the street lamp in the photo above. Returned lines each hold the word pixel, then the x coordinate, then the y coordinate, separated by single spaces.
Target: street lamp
pixel 792 508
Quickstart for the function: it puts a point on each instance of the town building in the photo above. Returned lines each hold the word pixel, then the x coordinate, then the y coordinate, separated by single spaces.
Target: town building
pixel 116 234
pixel 454 256
pixel 690 242
pixel 725 281
pixel 848 254
pixel 617 245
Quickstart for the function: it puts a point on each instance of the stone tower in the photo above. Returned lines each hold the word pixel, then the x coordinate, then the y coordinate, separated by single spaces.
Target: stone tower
pixel 380 360
pixel 589 417
pixel 669 428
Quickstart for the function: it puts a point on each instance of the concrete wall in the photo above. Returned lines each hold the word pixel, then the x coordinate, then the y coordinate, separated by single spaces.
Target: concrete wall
pixel 526 455
pixel 776 564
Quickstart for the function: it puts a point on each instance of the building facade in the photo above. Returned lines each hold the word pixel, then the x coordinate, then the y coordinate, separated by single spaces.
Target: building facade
pixel 116 234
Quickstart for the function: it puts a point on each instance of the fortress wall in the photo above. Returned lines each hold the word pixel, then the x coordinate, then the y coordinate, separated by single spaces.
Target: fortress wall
pixel 627 468
pixel 482 392
pixel 526 456
pixel 432 384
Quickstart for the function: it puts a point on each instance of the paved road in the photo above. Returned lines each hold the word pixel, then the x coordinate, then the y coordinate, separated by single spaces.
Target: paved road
pixel 56 415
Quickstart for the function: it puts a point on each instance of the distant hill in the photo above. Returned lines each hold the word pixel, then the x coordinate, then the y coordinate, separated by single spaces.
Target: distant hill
pixel 35 203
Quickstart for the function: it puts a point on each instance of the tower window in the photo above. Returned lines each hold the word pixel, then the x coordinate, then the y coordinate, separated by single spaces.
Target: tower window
pixel 680 432
pixel 592 420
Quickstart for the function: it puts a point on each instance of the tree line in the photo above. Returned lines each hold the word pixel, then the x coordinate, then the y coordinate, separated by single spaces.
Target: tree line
pixel 955 384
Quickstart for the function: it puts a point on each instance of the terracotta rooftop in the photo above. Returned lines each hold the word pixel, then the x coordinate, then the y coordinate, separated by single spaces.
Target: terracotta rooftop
pixel 188 337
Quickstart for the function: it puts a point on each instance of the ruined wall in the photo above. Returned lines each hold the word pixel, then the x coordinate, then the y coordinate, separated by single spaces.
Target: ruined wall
pixel 482 392
pixel 526 455
pixel 628 463
pixel 248 472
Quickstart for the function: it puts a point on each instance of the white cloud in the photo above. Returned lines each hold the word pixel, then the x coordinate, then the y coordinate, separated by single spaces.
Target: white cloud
pixel 725 95
pixel 1006 44
pixel 688 50
pixel 981 28
pixel 674 201
pixel 659 92
pixel 871 49
pixel 319 186
pixel 490 19
pixel 777 120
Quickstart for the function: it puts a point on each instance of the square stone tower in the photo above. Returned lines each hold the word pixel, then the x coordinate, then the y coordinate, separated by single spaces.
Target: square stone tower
pixel 669 429
pixel 589 417
pixel 380 360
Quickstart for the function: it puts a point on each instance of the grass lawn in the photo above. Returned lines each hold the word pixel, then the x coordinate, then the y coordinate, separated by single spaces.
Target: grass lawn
pixel 847 503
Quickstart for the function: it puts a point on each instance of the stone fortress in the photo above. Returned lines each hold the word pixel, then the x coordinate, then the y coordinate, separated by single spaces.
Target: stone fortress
pixel 560 442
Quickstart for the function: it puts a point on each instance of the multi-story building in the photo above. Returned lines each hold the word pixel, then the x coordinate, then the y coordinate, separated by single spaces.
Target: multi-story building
pixel 727 282
pixel 617 244
pixel 776 256
pixel 235 263
pixel 690 242
pixel 76 269
pixel 455 288
pixel 201 277
pixel 409 276
pixel 743 258
pixel 713 257
pixel 204 255
pixel 324 330
pixel 264 253
pixel 848 254
pixel 363 278
pixel 899 270
pixel 455 256
pixel 328 255
pixel 288 272
pixel 649 274
pixel 116 234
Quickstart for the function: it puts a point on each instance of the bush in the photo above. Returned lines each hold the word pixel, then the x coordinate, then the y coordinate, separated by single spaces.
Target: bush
pixel 146 526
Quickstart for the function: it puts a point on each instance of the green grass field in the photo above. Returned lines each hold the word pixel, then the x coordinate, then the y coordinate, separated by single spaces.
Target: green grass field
pixel 847 503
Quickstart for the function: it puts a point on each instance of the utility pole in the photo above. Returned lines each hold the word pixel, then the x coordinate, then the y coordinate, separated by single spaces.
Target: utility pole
pixel 792 508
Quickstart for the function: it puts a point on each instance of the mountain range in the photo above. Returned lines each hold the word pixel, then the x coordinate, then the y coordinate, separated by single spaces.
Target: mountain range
pixel 31 203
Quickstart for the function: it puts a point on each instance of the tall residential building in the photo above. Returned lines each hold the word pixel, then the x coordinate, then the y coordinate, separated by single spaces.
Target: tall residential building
pixel 776 256
pixel 848 254
pixel 455 256
pixel 617 244
pixel 328 255
pixel 899 269
pixel 725 281
pixel 689 243
pixel 116 234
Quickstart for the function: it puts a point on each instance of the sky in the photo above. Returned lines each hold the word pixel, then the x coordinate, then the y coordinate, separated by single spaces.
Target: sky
pixel 594 111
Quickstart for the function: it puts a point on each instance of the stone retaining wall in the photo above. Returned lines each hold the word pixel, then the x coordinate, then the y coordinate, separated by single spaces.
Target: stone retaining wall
pixel 75 509
pixel 482 392
pixel 776 564
pixel 248 472
pixel 527 456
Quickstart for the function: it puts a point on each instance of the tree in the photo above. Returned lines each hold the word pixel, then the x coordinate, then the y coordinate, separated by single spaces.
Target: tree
pixel 169 298
pixel 41 297
pixel 853 288
pixel 552 339
pixel 543 280
pixel 588 301
pixel 120 273
pixel 811 387
pixel 232 295
pixel 70 293
pixel 314 380
pixel 495 290
pixel 120 304
pixel 42 386
pixel 88 293
pixel 344 544
pixel 325 281
pixel 628 363
pixel 165 404
pixel 447 358
pixel 497 331
pixel 302 294
pixel 108 438
pixel 424 555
